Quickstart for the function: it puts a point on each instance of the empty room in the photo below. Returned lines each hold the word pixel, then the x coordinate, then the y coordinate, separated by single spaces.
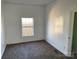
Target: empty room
pixel 38 29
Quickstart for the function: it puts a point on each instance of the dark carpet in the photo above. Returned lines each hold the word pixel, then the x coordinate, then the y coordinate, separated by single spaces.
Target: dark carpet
pixel 32 50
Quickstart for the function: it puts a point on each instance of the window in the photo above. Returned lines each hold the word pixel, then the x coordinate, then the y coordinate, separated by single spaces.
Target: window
pixel 27 26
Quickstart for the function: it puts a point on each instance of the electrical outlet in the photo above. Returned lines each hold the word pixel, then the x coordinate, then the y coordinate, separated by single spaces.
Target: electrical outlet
pixel 68 37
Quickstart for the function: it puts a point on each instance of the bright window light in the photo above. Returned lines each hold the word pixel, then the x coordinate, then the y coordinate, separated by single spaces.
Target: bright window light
pixel 27 26
pixel 58 28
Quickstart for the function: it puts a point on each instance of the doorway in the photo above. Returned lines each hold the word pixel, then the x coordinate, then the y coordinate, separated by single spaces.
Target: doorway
pixel 74 36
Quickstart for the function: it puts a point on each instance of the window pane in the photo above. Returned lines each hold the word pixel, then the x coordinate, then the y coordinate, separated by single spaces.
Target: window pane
pixel 27 26
pixel 27 31
pixel 27 21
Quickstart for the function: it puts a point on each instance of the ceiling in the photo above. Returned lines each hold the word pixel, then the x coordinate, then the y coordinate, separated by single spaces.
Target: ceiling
pixel 30 2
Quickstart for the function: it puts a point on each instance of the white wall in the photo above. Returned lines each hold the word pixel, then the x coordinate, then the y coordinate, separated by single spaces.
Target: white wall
pixel 14 12
pixel 3 43
pixel 63 9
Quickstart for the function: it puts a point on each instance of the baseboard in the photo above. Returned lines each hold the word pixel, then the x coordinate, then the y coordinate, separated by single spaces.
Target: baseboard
pixel 3 51
pixel 53 45
pixel 25 42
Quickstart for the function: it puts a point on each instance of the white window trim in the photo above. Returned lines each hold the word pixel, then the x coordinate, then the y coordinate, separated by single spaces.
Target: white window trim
pixel 28 26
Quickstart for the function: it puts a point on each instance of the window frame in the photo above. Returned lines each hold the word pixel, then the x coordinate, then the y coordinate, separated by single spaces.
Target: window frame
pixel 28 27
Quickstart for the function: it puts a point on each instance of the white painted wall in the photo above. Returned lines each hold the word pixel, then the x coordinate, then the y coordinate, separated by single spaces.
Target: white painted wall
pixel 63 8
pixel 60 8
pixel 3 43
pixel 14 12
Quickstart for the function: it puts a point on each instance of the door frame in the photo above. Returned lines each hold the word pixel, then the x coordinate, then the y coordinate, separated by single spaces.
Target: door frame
pixel 70 38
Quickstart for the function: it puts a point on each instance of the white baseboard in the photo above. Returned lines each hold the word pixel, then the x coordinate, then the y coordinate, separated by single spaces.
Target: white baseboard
pixel 3 51
pixel 63 52
pixel 24 41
